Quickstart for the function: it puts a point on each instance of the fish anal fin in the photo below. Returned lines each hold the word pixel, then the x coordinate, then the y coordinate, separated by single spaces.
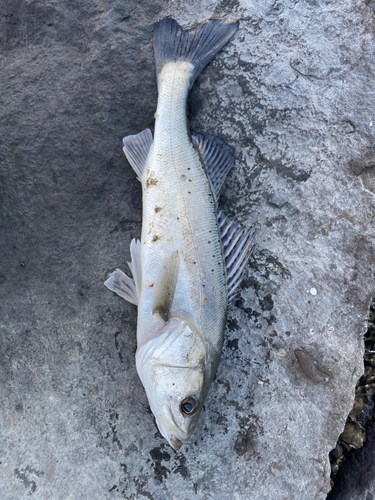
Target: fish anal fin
pixel 217 158
pixel 165 287
pixel 237 245
pixel 136 149
pixel 126 287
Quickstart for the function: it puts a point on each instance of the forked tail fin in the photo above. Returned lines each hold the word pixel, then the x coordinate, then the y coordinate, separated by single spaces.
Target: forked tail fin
pixel 197 46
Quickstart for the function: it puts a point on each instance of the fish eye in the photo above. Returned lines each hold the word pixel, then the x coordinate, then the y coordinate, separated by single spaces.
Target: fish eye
pixel 189 405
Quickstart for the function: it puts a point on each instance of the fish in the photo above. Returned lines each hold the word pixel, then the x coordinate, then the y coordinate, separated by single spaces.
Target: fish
pixel 191 257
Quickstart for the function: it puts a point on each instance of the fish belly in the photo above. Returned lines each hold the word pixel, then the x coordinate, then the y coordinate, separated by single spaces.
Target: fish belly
pixel 179 215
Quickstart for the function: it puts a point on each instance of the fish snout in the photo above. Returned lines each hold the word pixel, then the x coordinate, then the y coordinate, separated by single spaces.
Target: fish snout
pixel 175 443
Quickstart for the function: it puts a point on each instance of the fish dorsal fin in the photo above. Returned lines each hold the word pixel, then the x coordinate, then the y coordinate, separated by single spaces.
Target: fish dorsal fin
pixel 128 288
pixel 237 247
pixel 217 157
pixel 136 149
pixel 164 289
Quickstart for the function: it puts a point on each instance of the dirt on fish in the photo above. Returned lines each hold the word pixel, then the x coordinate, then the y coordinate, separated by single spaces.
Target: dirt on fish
pixel 151 182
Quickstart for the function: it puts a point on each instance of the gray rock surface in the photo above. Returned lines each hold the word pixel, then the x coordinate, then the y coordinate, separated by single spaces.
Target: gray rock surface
pixel 294 94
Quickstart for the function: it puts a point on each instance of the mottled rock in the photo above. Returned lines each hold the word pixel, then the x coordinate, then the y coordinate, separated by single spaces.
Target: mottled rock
pixel 293 93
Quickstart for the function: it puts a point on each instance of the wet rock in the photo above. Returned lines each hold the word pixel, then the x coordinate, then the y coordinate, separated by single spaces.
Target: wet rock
pixel 292 94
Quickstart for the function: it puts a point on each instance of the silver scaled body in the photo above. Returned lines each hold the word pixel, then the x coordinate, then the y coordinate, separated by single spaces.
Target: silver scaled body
pixel 179 215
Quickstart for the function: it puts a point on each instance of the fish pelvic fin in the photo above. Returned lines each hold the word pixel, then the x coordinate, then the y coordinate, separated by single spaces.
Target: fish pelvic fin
pixel 217 158
pixel 136 149
pixel 237 246
pixel 165 289
pixel 126 287
pixel 197 46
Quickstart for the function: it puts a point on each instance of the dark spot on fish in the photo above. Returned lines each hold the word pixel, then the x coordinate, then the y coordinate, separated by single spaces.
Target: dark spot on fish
pixel 155 238
pixel 189 168
pixel 151 182
pixel 208 241
pixel 189 180
pixel 189 192
pixel 157 209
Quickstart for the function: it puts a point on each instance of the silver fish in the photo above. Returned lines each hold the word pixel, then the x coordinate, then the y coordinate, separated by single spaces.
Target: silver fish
pixel 191 258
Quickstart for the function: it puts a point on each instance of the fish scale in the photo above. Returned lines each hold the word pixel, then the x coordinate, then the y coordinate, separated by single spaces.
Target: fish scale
pixel 187 218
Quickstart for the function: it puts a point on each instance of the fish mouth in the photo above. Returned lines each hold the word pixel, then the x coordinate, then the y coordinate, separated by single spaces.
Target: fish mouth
pixel 175 443
pixel 176 436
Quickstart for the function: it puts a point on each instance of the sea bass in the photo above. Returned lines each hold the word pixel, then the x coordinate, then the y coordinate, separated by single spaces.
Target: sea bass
pixel 191 257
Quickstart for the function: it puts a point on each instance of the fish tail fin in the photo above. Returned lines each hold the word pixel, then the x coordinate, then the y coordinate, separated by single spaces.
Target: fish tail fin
pixel 197 46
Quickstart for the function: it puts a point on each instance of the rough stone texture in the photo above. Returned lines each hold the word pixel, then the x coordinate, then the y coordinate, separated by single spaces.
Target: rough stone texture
pixel 293 93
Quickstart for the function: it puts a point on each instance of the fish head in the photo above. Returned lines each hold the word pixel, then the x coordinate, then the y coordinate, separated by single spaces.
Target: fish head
pixel 175 371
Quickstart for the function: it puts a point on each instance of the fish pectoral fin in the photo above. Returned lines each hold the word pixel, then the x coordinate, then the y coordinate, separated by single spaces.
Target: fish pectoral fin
pixel 237 247
pixel 136 149
pixel 165 288
pixel 128 288
pixel 217 158
pixel 124 286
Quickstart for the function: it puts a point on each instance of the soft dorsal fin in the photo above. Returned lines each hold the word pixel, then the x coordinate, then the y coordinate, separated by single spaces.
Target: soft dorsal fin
pixel 128 288
pixel 237 247
pixel 217 157
pixel 166 286
pixel 136 149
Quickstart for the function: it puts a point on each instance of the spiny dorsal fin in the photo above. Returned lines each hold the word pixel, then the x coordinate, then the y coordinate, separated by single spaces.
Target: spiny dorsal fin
pixel 136 149
pixel 217 157
pixel 128 288
pixel 165 288
pixel 237 247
